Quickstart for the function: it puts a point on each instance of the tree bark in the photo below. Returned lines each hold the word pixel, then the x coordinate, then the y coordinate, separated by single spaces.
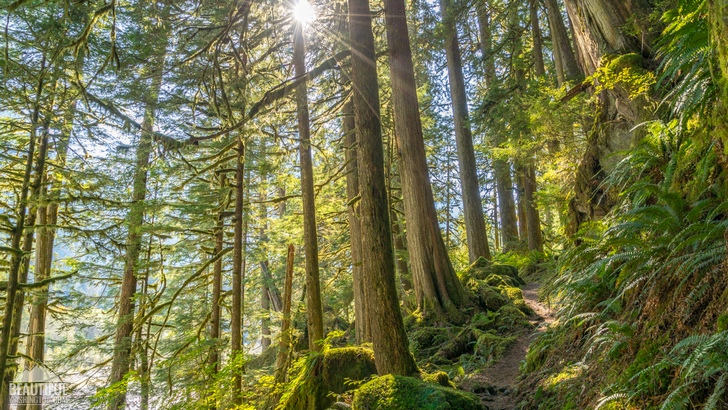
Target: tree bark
pixel 134 222
pixel 598 31
pixel 564 58
pixel 361 319
pixel 477 235
pixel 20 262
pixel 47 217
pixel 214 357
pixel 389 340
pixel 437 287
pixel 718 17
pixel 537 50
pixel 522 219
pixel 236 307
pixel 501 168
pixel 535 240
pixel 284 342
pixel 314 309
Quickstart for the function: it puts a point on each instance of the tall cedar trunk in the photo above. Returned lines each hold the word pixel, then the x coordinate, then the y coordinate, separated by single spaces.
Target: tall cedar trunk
pixel 537 50
pixel 264 290
pixel 47 218
pixel 236 307
pixel 436 285
pixel 141 342
pixel 361 319
pixel 501 168
pixel 134 222
pixel 214 357
pixel 314 310
pixel 284 341
pixel 36 187
pixel 17 258
pixel 535 240
pixel 389 339
pixel 398 236
pixel 564 59
pixel 522 219
pixel 496 234
pixel 274 294
pixel 477 235
pixel 265 307
pixel 598 31
pixel 400 249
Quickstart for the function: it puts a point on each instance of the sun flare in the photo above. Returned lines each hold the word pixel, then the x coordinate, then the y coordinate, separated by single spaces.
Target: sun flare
pixel 304 12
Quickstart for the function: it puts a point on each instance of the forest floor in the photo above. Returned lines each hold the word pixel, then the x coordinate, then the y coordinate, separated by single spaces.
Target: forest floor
pixel 502 374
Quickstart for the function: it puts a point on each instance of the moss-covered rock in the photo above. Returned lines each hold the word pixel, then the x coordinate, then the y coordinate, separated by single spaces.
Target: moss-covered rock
pixel 488 298
pixel 317 378
pixel 424 341
pixel 439 377
pixel 482 268
pixel 492 346
pixel 510 316
pixel 406 393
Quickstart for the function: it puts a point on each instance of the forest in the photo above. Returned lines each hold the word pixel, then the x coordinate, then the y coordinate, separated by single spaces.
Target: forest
pixel 364 204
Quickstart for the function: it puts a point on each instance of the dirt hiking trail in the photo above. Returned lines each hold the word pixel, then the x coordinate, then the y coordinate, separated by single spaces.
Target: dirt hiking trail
pixel 501 375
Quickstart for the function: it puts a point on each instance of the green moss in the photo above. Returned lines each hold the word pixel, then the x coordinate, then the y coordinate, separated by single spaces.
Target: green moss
pixel 488 297
pixel 722 322
pixel 491 346
pixel 484 320
pixel 318 377
pixel 512 293
pixel 510 316
pixel 406 393
pixel 441 378
pixel 424 341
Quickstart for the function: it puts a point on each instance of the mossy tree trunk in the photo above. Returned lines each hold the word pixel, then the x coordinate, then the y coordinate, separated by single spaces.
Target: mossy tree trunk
pixel 382 305
pixel 437 287
pixel 718 12
pixel 599 30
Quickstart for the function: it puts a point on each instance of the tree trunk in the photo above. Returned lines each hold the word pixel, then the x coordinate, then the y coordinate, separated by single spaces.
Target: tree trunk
pixel 522 219
pixel 437 287
pixel 501 168
pixel 477 235
pixel 236 307
pixel 564 59
pixel 47 218
pixel 134 222
pixel 284 341
pixel 20 262
pixel 537 50
pixel 400 249
pixel 391 352
pixel 214 357
pixel 361 319
pixel 598 27
pixel 718 15
pixel 314 309
pixel 535 240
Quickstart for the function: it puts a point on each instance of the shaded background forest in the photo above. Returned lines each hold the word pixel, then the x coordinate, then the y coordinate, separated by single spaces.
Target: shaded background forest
pixel 154 175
